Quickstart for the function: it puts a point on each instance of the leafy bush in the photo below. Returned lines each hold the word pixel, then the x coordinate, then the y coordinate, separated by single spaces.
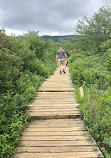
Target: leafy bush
pixel 12 132
pixel 91 72
pixel 107 56
pixel 23 66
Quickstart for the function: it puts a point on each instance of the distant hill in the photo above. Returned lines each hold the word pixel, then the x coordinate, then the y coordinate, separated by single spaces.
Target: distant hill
pixel 57 38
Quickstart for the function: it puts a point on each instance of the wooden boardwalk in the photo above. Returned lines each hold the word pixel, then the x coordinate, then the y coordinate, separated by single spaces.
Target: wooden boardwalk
pixel 60 133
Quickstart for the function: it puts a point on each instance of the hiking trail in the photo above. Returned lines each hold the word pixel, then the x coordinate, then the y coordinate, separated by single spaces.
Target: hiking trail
pixel 56 130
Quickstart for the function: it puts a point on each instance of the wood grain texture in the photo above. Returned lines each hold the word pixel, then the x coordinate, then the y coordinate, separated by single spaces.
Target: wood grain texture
pixel 57 136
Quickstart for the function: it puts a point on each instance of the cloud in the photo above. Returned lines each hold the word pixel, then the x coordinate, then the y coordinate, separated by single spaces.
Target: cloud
pixel 46 16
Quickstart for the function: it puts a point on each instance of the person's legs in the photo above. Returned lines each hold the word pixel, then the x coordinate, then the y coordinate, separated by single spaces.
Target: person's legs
pixel 60 70
pixel 59 67
pixel 59 63
pixel 64 71
pixel 64 65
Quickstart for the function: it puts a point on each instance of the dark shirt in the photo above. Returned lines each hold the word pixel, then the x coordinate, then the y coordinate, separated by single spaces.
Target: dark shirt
pixel 61 53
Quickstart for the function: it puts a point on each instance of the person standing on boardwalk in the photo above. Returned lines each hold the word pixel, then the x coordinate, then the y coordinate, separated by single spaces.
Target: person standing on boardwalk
pixel 60 56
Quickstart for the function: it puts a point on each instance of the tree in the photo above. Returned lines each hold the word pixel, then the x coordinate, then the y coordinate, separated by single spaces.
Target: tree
pixel 95 29
pixel 36 43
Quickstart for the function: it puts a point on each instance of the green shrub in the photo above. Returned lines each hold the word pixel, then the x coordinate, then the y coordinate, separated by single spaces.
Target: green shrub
pixel 23 67
pixel 91 72
pixel 107 56
pixel 10 66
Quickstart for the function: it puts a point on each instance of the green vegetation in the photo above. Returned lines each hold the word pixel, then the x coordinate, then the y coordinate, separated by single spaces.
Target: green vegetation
pixel 25 62
pixel 90 67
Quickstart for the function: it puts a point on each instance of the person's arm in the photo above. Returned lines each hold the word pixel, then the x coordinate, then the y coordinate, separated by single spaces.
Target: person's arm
pixel 66 56
pixel 56 58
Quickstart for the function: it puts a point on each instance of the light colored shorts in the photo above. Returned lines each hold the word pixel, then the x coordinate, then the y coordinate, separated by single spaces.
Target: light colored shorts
pixel 61 62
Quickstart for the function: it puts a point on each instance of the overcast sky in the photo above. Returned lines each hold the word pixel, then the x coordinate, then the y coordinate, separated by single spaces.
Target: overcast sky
pixel 49 17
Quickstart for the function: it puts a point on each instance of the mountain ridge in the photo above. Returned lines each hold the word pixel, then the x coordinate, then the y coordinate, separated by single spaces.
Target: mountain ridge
pixel 57 38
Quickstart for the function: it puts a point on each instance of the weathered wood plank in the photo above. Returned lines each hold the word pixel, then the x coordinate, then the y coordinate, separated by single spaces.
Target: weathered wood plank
pixel 36 143
pixel 57 155
pixel 48 138
pixel 54 110
pixel 55 133
pixel 62 129
pixel 46 114
pixel 62 149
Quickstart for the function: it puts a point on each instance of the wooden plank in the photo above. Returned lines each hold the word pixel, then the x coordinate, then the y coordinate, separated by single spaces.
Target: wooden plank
pixel 57 155
pixel 53 104
pixel 72 93
pixel 53 107
pixel 56 99
pixel 55 89
pixel 42 133
pixel 58 138
pixel 45 114
pixel 60 121
pixel 62 149
pixel 44 102
pixel 47 109
pixel 54 129
pixel 55 93
pixel 40 106
pixel 41 102
pixel 56 123
pixel 66 122
pixel 51 125
pixel 54 110
pixel 46 143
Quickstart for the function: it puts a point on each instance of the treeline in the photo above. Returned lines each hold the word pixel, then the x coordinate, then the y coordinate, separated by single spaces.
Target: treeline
pixel 25 61
pixel 58 38
pixel 90 67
